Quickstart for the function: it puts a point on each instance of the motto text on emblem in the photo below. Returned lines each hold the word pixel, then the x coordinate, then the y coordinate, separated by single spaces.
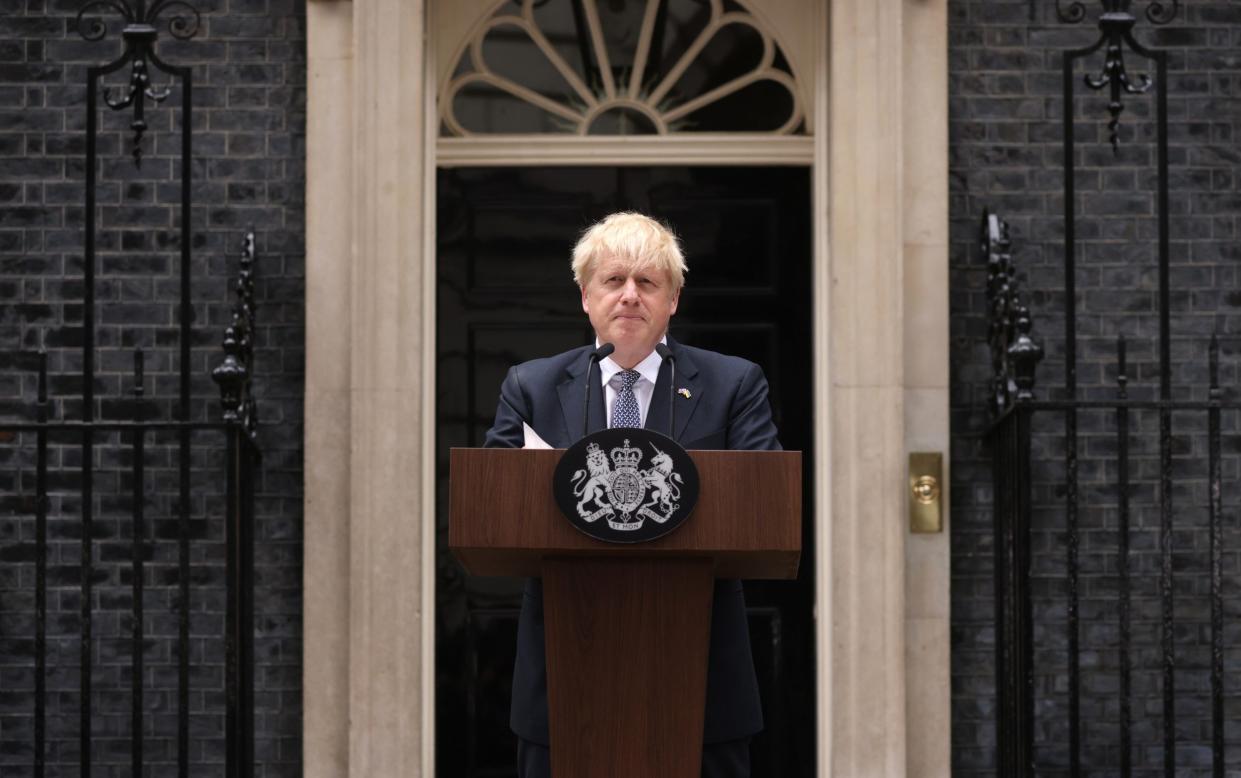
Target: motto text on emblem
pixel 626 485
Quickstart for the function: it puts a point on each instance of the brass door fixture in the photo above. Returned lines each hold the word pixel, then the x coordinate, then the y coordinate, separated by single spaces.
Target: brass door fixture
pixel 925 492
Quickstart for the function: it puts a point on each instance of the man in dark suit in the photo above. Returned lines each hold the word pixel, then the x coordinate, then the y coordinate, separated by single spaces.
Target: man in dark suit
pixel 630 271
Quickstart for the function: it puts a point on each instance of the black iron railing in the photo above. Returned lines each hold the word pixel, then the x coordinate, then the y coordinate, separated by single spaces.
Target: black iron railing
pixel 1015 406
pixel 99 438
pixel 235 435
pixel 1014 353
pixel 1015 356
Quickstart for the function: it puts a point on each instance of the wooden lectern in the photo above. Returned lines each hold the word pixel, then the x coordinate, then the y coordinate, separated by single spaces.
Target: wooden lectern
pixel 627 626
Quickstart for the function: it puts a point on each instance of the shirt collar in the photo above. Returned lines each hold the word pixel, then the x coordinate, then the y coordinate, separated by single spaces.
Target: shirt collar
pixel 648 368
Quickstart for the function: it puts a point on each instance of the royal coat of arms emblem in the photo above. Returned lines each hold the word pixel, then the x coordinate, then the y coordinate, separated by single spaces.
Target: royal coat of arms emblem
pixel 636 483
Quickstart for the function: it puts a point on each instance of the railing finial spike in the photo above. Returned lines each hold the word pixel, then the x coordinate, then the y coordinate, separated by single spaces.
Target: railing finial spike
pixel 233 374
pixel 1014 352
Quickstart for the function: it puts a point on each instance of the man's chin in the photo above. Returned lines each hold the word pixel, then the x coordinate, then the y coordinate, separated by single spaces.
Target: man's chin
pixel 632 343
pixel 632 336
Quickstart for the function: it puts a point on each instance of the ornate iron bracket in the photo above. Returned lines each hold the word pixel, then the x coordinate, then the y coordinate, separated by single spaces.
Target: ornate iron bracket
pixel 1116 25
pixel 139 34
pixel 233 374
pixel 1014 352
pixel 1156 12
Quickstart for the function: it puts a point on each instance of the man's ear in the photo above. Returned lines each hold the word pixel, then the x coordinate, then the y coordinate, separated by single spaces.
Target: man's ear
pixel 585 302
pixel 676 298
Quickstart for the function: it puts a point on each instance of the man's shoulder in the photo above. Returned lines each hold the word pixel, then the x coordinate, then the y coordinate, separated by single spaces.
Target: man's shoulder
pixel 715 362
pixel 552 367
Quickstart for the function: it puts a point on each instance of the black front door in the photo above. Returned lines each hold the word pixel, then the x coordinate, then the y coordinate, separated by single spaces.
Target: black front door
pixel 505 295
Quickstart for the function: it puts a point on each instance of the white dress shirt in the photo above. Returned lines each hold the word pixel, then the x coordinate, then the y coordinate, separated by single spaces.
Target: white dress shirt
pixel 643 390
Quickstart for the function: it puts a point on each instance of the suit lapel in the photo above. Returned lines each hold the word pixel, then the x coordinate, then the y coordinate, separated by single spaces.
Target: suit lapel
pixel 657 414
pixel 571 390
pixel 687 378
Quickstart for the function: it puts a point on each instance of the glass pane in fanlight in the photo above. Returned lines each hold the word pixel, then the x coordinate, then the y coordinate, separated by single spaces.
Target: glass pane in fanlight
pixel 483 108
pixel 678 25
pixel 734 50
pixel 558 20
pixel 763 106
pixel 509 53
pixel 621 22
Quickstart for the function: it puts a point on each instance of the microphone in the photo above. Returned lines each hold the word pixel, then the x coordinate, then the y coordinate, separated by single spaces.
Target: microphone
pixel 666 353
pixel 603 351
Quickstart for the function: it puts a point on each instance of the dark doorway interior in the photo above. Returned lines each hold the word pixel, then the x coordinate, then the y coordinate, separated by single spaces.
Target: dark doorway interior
pixel 505 295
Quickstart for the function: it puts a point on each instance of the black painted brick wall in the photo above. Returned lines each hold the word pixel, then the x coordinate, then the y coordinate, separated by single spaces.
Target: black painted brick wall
pixel 1005 153
pixel 248 63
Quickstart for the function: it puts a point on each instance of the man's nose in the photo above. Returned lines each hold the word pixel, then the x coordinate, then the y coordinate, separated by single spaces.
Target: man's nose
pixel 629 292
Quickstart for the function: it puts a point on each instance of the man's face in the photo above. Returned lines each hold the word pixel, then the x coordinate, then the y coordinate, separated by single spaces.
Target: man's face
pixel 629 308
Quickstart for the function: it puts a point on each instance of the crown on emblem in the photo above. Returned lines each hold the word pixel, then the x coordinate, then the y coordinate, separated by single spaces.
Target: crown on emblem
pixel 626 456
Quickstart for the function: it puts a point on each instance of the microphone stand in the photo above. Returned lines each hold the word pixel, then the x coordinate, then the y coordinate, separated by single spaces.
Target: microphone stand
pixel 666 353
pixel 603 351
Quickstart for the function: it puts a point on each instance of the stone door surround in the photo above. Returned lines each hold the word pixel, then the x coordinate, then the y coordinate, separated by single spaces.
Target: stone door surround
pixel 878 70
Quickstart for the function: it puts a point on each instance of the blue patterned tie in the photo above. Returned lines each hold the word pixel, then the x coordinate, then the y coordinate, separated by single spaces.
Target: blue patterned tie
pixel 625 407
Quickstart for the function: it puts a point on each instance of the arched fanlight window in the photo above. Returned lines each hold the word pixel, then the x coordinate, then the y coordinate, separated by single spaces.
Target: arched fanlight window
pixel 620 67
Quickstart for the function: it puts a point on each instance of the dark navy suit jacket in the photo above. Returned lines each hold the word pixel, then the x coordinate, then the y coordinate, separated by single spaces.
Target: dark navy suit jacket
pixel 727 408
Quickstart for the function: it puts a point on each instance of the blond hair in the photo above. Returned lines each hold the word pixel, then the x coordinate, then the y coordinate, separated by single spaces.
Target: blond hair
pixel 640 241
